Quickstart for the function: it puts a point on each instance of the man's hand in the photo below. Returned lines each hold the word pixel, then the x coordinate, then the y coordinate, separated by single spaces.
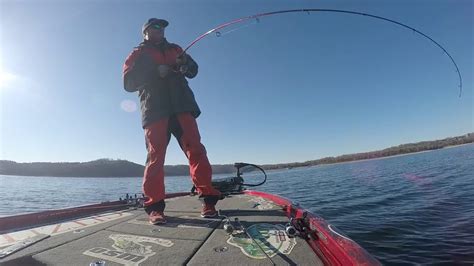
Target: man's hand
pixel 182 60
pixel 183 69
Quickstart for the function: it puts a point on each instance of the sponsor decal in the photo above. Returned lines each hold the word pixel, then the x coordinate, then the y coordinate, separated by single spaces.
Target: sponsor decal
pixel 262 204
pixel 128 249
pixel 271 238
pixel 61 228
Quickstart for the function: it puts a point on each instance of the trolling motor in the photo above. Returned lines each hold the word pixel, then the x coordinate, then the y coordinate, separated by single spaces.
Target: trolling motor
pixel 236 184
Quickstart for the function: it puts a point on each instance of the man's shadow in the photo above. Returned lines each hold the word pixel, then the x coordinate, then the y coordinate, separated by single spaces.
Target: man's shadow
pixel 184 221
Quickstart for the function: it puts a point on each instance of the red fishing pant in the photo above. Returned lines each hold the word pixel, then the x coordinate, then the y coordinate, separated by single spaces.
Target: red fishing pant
pixel 157 135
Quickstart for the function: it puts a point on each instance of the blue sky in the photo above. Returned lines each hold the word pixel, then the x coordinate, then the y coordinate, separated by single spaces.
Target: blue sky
pixel 292 87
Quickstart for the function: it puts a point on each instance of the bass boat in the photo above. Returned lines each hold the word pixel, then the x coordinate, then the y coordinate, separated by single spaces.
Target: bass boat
pixel 253 228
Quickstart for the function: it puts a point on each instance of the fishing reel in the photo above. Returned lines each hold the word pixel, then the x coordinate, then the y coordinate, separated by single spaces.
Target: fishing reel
pixel 300 227
pixel 228 227
pixel 291 230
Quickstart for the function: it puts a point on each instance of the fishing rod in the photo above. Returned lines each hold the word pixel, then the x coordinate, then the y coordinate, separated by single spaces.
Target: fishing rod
pixel 229 228
pixel 308 10
pixel 253 239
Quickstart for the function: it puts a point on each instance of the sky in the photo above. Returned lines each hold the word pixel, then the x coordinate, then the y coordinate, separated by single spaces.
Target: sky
pixel 286 88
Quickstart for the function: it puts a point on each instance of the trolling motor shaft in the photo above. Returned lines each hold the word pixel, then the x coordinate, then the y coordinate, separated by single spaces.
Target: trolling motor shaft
pixel 236 184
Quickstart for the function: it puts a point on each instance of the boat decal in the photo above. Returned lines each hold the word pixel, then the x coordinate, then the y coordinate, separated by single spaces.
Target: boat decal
pixel 128 249
pixel 262 204
pixel 61 228
pixel 271 238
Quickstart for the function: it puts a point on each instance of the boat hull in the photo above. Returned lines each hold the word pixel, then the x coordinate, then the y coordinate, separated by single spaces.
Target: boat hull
pixel 330 244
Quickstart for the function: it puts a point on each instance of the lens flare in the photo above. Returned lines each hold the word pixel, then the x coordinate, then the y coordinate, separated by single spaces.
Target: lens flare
pixel 128 106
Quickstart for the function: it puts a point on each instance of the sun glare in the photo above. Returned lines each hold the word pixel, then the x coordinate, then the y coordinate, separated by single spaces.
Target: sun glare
pixel 128 106
pixel 6 78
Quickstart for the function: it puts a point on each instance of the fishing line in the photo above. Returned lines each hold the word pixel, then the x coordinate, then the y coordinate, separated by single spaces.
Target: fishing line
pixel 220 34
pixel 217 29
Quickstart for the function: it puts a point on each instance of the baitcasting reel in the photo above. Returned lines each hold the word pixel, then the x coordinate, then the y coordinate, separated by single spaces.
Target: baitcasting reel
pixel 300 227
pixel 290 229
pixel 228 227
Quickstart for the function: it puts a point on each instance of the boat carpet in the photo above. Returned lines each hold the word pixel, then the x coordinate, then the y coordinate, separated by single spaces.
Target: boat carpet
pixel 126 237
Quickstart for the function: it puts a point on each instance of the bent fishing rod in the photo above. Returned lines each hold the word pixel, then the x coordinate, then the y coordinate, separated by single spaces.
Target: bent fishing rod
pixel 309 10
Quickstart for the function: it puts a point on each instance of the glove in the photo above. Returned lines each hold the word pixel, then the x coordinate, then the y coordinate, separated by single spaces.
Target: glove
pixel 182 60
pixel 183 69
pixel 163 71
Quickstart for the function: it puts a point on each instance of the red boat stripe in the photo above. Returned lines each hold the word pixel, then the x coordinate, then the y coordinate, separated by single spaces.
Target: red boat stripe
pixel 77 222
pixel 98 219
pixel 8 238
pixel 56 229
pixel 35 232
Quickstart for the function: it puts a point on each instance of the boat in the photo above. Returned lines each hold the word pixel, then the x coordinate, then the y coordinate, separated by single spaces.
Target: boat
pixel 253 228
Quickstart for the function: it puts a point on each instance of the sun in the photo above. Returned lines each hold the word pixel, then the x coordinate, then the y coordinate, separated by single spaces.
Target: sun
pixel 6 78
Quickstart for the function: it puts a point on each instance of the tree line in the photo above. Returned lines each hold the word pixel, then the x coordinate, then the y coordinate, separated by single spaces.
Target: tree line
pixel 123 168
pixel 396 150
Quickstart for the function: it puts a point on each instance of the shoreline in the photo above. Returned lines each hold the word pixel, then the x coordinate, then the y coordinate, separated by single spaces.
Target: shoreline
pixel 397 155
pixel 373 159
pixel 270 169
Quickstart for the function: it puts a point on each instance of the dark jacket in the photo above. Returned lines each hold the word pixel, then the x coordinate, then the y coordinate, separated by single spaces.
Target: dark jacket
pixel 160 97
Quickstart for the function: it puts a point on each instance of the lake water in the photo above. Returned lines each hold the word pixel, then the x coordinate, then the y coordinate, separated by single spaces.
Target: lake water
pixel 417 208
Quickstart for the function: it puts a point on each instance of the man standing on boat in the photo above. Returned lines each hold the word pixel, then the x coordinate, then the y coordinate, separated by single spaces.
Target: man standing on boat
pixel 158 70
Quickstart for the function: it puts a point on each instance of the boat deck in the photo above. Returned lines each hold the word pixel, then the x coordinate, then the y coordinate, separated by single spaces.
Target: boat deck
pixel 126 237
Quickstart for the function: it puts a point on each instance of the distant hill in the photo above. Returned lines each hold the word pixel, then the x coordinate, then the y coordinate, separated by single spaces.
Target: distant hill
pixel 97 168
pixel 123 168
